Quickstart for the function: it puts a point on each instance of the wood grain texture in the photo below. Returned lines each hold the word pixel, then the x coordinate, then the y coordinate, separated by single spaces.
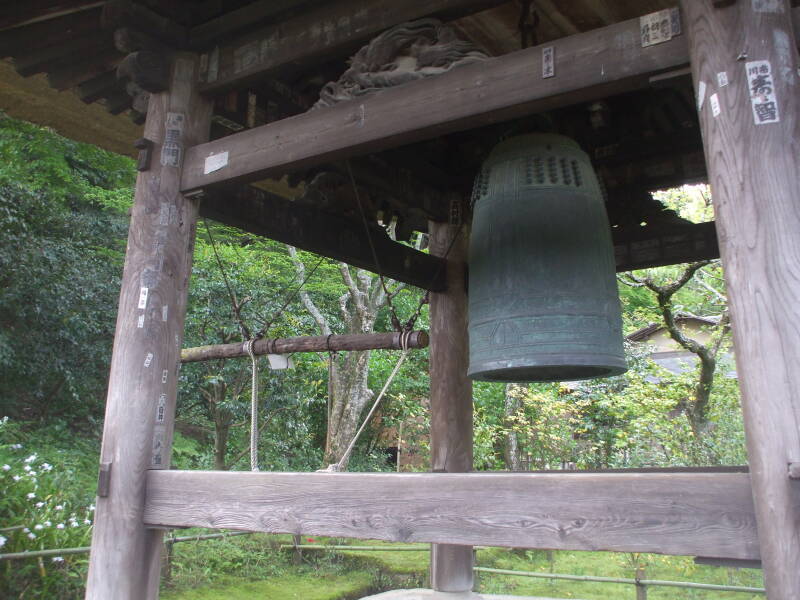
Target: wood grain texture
pixel 589 65
pixel 323 232
pixel 309 343
pixel 697 514
pixel 754 171
pixel 451 391
pixel 143 382
pixel 326 31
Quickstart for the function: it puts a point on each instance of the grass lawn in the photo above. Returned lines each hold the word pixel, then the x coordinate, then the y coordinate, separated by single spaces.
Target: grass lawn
pixel 254 567
pixel 280 587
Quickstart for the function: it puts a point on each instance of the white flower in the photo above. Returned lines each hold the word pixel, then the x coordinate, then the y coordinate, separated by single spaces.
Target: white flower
pixel 16 446
pixel 25 530
pixel 31 495
pixel 31 458
pixel 3 541
pixel 47 524
pixel 6 467
pixel 38 527
pixel 74 524
pixel 47 467
pixel 16 478
pixel 58 559
pixel 32 535
pixel 60 526
pixel 59 507
pixel 91 507
pixel 39 504
pixel 87 522
pixel 32 474
pixel 27 467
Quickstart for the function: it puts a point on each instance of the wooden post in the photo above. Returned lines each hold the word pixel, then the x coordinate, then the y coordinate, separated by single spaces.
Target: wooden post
pixel 451 395
pixel 744 65
pixel 137 435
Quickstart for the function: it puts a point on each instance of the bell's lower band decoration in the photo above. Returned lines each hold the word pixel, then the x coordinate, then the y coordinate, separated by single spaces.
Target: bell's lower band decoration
pixel 543 300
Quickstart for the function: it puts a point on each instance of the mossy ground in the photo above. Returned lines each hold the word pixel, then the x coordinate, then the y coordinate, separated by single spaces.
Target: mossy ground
pixel 255 567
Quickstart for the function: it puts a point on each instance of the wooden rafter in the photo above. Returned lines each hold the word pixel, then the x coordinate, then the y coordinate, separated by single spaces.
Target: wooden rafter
pixel 327 31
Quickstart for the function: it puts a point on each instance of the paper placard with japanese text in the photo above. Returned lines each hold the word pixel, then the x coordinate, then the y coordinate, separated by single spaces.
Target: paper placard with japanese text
pixel 761 87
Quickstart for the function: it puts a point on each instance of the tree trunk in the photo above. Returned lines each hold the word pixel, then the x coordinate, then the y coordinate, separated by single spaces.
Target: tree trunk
pixel 222 429
pixel 349 396
pixel 512 453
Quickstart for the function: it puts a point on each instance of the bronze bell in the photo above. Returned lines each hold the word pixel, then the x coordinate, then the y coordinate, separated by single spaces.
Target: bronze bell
pixel 543 301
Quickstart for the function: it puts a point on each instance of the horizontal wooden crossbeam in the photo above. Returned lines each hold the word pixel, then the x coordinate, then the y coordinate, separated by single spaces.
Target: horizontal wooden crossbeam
pixel 324 233
pixel 685 513
pixel 326 31
pixel 588 66
pixel 665 246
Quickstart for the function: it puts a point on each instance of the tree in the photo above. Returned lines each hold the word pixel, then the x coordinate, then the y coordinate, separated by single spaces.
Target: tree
pixel 348 392
pixel 63 217
pixel 665 290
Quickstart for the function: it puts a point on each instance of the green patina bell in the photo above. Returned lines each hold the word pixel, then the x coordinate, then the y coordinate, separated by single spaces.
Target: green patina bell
pixel 543 301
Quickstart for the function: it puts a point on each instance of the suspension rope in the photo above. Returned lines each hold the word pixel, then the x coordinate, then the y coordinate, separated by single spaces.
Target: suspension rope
pixel 404 345
pixel 253 405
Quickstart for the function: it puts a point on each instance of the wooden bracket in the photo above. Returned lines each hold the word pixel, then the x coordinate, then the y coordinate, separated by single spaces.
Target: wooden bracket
pixel 145 148
pixel 147 69
pixel 104 479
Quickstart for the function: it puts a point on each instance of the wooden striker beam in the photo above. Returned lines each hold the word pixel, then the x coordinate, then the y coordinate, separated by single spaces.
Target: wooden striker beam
pixel 695 514
pixel 314 343
pixel 745 70
pixel 451 392
pixel 137 434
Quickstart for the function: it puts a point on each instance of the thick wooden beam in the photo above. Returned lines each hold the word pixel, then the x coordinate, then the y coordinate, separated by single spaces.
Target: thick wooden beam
pixel 261 11
pixel 312 343
pixel 137 433
pixel 665 247
pixel 695 514
pixel 324 233
pixel 451 389
pixel 328 30
pixel 744 66
pixel 588 66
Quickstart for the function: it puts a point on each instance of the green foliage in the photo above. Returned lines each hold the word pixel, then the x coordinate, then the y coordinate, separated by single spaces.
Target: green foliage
pixel 45 509
pixel 60 261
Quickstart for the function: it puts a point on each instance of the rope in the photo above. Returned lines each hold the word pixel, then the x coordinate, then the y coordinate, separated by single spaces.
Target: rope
pixel 338 466
pixel 248 345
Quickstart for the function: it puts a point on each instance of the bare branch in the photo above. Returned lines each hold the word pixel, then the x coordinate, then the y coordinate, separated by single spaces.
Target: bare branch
pixel 315 312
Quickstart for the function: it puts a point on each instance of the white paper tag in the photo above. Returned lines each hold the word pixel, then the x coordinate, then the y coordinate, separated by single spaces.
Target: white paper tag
pixel 215 162
pixel 659 27
pixel 161 408
pixel 164 312
pixel 164 375
pixel 722 78
pixel 715 108
pixel 701 95
pixel 140 322
pixel 278 362
pixel 143 298
pixel 548 62
pixel 148 359
pixel 761 87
